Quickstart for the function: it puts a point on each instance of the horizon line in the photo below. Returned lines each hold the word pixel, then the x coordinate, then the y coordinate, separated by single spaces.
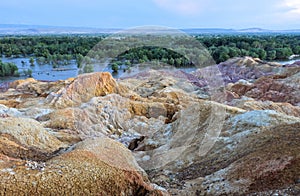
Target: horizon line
pixel 118 28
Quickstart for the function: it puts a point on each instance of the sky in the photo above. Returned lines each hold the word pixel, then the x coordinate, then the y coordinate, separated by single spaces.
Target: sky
pixel 236 14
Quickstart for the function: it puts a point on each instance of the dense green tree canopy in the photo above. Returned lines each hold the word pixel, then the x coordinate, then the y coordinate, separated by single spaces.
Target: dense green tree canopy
pixel 8 69
pixel 266 47
pixel 60 50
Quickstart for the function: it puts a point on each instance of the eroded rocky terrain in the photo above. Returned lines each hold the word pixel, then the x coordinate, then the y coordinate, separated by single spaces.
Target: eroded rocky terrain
pixel 233 129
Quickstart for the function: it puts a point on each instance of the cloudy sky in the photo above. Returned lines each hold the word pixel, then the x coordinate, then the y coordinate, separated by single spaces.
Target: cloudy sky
pixel 271 14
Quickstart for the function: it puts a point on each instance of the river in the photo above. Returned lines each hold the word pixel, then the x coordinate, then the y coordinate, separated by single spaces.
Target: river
pixel 47 73
pixel 42 72
pixel 285 62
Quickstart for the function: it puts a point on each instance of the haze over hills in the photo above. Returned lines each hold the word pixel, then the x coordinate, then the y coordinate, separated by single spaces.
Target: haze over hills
pixel 15 29
pixel 19 29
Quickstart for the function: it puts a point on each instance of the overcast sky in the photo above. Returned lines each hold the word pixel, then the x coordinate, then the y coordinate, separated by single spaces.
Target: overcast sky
pixel 269 14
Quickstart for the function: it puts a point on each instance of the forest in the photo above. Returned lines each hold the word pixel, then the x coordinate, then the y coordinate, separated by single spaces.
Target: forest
pixel 60 50
pixel 266 47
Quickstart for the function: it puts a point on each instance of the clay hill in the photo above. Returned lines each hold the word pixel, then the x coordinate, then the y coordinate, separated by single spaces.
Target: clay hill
pixel 230 129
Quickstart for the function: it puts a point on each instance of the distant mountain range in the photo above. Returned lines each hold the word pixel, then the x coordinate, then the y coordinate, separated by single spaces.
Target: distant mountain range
pixel 237 31
pixel 16 29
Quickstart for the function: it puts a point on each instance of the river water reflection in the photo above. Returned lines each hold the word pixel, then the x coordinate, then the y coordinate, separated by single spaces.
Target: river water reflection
pixel 47 73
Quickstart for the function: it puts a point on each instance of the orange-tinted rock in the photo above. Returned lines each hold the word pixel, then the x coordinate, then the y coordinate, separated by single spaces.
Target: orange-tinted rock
pixel 83 88
pixel 88 169
pixel 106 115
pixel 26 138
pixel 19 83
pixel 61 119
pixel 10 103
pixel 187 143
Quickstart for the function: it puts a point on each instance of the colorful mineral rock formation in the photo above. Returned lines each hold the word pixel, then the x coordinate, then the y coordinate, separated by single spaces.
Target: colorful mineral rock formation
pixel 157 133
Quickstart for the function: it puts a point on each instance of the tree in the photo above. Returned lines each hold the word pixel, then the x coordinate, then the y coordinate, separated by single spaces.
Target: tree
pixel 283 53
pixel 221 54
pixel 128 63
pixel 28 72
pixel 256 44
pixel 233 52
pixel 171 61
pixel 31 61
pixel 296 50
pixel 271 55
pixel 79 59
pixel 178 62
pixel 8 69
pixel 41 60
pixel 262 53
pixel 88 68
pixel 223 57
pixel 115 67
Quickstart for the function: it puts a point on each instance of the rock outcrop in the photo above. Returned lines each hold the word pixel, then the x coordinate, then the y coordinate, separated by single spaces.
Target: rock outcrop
pixel 229 129
pixel 251 104
pixel 247 68
pixel 89 169
pixel 280 86
pixel 26 138
pixel 83 88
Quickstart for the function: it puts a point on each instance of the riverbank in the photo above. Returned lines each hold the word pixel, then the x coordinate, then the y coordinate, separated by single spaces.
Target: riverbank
pixel 46 72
